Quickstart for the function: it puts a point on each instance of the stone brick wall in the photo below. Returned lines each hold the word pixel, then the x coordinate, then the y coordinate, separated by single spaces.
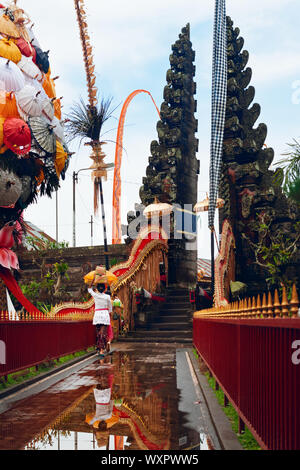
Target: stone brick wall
pixel 80 260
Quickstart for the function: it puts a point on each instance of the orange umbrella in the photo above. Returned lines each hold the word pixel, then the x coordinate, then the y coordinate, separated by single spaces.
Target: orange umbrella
pixel 3 147
pixel 8 105
pixel 49 86
pixel 57 108
pixel 8 50
pixel 60 159
pixel 8 28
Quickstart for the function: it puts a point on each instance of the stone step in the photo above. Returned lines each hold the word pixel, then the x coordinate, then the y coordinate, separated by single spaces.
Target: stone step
pixel 170 305
pixel 171 319
pixel 154 333
pixel 166 327
pixel 157 340
pixel 176 312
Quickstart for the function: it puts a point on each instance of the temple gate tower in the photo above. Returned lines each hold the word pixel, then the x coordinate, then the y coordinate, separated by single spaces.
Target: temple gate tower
pixel 172 173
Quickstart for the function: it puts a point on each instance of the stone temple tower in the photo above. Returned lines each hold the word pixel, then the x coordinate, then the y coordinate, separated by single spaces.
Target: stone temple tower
pixel 172 173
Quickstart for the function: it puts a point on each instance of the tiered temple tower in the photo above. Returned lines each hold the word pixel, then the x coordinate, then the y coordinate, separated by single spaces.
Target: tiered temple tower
pixel 172 173
pixel 250 189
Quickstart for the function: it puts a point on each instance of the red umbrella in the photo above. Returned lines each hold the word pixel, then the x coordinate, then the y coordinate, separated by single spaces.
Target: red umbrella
pixel 17 136
pixel 26 48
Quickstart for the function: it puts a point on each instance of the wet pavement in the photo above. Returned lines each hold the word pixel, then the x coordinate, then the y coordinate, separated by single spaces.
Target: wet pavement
pixel 142 397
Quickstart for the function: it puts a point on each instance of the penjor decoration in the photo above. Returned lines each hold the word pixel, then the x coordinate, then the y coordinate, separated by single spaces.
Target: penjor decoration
pixel 86 120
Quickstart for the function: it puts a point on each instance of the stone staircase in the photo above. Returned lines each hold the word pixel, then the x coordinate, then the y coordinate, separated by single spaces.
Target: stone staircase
pixel 173 324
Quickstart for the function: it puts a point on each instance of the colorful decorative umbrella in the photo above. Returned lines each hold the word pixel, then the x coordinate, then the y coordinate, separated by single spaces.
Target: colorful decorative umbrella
pixel 37 85
pixel 26 48
pixel 3 147
pixel 58 130
pixel 43 134
pixel 57 108
pixel 11 78
pixel 29 102
pixel 42 59
pixel 8 28
pixel 29 68
pixel 60 159
pixel 17 136
pixel 157 209
pixel 8 105
pixel 33 39
pixel 48 109
pixel 203 206
pixel 8 50
pixel 49 86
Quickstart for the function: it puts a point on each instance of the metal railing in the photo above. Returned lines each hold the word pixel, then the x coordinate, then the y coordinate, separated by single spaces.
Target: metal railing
pixel 37 339
pixel 252 348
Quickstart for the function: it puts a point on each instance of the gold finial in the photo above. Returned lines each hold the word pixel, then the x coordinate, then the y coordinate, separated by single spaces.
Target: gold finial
pixel 294 303
pixel 284 303
pixel 277 309
pixel 270 305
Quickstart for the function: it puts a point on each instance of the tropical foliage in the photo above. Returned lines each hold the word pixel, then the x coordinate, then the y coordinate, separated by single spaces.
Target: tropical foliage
pixel 291 168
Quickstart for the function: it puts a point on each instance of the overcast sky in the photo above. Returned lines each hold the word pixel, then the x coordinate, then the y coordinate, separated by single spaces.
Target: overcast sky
pixel 132 43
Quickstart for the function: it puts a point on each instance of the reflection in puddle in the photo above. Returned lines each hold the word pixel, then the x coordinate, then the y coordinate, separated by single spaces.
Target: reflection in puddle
pixel 122 404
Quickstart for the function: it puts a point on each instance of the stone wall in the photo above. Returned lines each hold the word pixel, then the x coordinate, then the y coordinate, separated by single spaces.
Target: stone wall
pixel 80 260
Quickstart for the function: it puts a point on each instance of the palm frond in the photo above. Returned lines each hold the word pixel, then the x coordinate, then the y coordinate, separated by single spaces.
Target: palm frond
pixel 291 165
pixel 85 122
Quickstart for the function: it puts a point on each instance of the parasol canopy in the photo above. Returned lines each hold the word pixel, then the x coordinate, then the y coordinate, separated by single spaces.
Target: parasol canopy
pixel 42 59
pixel 11 78
pixel 26 48
pixel 8 105
pixel 33 39
pixel 48 109
pixel 43 134
pixel 57 108
pixel 8 50
pixel 203 206
pixel 29 68
pixel 157 209
pixel 8 28
pixel 37 85
pixel 29 102
pixel 58 130
pixel 17 136
pixel 60 159
pixel 49 86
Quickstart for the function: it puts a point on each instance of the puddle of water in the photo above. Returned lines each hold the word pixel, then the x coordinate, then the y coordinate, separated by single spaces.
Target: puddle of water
pixel 123 404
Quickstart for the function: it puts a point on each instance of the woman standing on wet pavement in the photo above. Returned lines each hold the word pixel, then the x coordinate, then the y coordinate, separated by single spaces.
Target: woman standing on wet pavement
pixel 102 317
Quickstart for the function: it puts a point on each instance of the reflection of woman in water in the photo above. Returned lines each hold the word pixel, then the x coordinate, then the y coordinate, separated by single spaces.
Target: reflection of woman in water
pixel 102 319
pixel 110 412
pixel 103 418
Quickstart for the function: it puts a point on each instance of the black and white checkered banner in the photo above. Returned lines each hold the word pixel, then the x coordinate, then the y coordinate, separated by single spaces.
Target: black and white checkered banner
pixel 219 97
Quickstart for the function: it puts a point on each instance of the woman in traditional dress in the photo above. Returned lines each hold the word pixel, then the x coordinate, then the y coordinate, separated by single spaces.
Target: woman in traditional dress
pixel 102 317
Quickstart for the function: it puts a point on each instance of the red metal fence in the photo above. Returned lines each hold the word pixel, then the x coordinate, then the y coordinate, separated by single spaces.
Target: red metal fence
pixel 256 362
pixel 25 344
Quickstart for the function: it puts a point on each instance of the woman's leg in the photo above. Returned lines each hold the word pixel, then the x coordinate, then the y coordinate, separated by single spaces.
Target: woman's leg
pixel 102 338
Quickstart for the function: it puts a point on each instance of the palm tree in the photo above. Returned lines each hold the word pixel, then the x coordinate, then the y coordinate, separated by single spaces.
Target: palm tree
pixel 86 123
pixel 291 169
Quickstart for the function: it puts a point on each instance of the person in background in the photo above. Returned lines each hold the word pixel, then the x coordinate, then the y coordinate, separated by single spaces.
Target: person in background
pixel 102 318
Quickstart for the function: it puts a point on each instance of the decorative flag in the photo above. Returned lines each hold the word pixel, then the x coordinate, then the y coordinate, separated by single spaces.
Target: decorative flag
pixel 219 98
